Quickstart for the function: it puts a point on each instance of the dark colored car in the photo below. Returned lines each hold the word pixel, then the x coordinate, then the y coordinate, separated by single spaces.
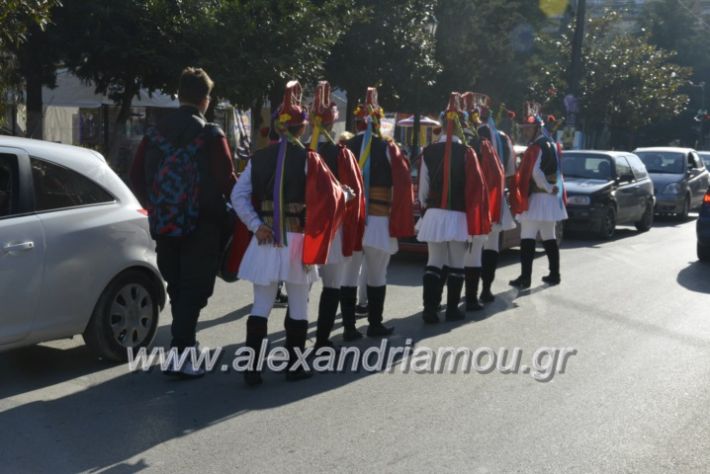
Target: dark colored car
pixel 679 177
pixel 606 189
pixel 702 229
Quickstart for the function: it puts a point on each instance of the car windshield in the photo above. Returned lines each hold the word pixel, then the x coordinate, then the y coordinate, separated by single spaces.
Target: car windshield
pixel 669 162
pixel 577 165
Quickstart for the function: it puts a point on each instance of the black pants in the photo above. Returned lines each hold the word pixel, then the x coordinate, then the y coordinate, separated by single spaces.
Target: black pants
pixel 189 265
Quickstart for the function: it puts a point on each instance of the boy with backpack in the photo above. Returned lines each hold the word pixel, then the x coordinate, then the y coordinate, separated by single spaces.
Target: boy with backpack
pixel 183 174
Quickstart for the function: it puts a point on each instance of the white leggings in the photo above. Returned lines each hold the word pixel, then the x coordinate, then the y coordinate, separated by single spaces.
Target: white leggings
pixel 472 258
pixel 332 274
pixel 493 241
pixel 446 253
pixel 264 296
pixel 362 285
pixel 376 260
pixel 530 229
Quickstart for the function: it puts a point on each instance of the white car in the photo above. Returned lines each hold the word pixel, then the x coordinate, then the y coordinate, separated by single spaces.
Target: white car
pixel 76 256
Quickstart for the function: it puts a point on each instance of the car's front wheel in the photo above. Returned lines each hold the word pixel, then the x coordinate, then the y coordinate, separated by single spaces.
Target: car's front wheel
pixel 683 214
pixel 608 225
pixel 646 221
pixel 126 315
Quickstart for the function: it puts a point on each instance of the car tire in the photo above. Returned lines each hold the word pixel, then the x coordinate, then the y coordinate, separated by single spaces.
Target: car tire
pixel 646 222
pixel 608 225
pixel 683 215
pixel 126 315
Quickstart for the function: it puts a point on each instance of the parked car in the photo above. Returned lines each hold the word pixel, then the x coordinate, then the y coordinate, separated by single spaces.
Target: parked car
pixel 76 256
pixel 606 189
pixel 702 229
pixel 705 156
pixel 679 177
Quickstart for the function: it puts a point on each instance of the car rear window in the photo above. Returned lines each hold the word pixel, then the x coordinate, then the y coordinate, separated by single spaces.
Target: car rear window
pixel 592 166
pixel 668 162
pixel 56 187
pixel 637 166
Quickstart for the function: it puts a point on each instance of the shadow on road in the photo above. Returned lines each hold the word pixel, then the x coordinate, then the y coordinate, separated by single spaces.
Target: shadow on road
pixel 137 411
pixel 695 277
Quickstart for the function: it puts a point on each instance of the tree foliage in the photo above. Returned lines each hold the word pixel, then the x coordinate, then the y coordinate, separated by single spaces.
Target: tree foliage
pixel 388 47
pixel 485 46
pixel 627 82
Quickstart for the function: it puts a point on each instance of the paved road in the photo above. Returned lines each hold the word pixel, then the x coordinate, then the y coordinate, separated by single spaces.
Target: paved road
pixel 634 398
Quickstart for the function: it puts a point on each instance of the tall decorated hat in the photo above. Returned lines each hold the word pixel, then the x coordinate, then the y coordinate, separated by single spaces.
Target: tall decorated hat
pixel 370 108
pixel 530 115
pixel 323 109
pixel 323 112
pixel 291 113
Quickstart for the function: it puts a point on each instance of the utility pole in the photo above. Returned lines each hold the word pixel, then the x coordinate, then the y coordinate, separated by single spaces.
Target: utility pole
pixel 571 100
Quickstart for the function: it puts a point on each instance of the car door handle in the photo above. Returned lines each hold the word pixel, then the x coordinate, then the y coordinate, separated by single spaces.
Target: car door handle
pixel 12 248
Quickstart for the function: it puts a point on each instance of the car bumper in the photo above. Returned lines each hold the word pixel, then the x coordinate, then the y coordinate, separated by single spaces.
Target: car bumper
pixel 584 218
pixel 666 204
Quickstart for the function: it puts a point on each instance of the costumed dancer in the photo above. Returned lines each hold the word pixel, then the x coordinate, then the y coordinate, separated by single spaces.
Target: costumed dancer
pixel 294 205
pixel 348 237
pixel 495 150
pixel 454 199
pixel 389 201
pixel 538 197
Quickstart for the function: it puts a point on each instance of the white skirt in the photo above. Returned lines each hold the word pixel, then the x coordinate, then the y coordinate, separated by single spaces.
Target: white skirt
pixel 335 255
pixel 443 225
pixel 506 219
pixel 544 207
pixel 267 264
pixel 377 235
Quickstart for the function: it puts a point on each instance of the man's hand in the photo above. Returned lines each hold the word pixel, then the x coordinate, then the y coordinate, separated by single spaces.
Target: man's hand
pixel 264 234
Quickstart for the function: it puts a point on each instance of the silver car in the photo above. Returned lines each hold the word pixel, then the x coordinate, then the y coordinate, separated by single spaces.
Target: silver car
pixel 76 256
pixel 679 177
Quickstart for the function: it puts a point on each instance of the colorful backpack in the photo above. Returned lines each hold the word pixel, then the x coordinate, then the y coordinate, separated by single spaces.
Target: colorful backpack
pixel 173 199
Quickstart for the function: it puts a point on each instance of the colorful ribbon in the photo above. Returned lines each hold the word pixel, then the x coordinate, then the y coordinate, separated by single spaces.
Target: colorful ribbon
pixel 364 161
pixel 279 227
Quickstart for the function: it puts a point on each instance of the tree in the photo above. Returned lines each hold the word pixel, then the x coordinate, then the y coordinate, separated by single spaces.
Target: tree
pixel 124 46
pixel 627 83
pixel 485 46
pixel 24 55
pixel 680 26
pixel 386 47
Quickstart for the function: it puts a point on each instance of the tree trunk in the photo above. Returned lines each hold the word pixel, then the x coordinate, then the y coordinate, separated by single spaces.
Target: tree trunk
pixel 35 116
pixel 118 162
pixel 256 122
pixel 349 108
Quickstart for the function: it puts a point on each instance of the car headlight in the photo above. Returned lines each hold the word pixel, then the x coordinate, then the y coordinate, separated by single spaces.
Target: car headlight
pixel 579 200
pixel 672 188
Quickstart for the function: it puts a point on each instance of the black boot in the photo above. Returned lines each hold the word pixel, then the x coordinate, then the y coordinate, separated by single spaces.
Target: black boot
pixel 527 254
pixel 473 275
pixel 432 294
pixel 296 334
pixel 488 274
pixel 553 257
pixel 376 302
pixel 348 298
pixel 444 277
pixel 454 286
pixel 328 306
pixel 256 333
